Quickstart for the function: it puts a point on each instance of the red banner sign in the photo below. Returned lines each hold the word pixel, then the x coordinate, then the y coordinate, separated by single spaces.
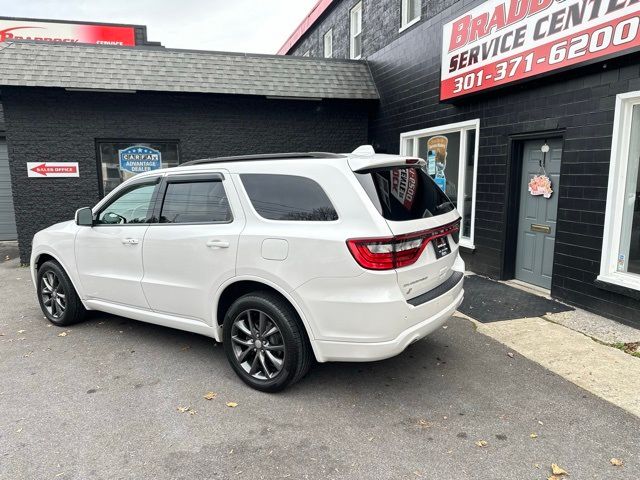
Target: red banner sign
pixel 52 169
pixel 66 32
pixel 503 41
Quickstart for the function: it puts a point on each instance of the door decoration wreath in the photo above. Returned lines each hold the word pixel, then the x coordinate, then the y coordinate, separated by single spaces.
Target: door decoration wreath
pixel 540 184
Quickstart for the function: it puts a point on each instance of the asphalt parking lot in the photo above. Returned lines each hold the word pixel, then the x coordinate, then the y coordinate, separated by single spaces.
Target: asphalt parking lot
pixel 103 400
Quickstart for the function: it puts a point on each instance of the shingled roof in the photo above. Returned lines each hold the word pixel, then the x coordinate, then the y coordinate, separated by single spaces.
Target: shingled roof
pixel 168 70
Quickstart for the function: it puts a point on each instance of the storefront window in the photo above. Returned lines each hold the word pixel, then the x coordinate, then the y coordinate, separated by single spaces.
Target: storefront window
pixel 621 247
pixel 450 153
pixel 121 160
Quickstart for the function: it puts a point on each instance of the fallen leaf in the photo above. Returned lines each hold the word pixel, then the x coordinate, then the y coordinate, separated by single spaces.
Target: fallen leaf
pixel 19 430
pixel 510 355
pixel 481 443
pixel 558 470
pixel 422 423
pixel 63 334
pixel 210 395
pixel 188 410
pixel 21 331
pixel 540 423
pixel 616 462
pixel 445 327
pixel 534 435
pixel 232 404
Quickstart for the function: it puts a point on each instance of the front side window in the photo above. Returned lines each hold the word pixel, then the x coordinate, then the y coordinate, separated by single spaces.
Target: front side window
pixel 621 248
pixel 288 197
pixel 121 160
pixel 410 12
pixel 356 31
pixel 451 155
pixel 195 202
pixel 328 44
pixel 134 206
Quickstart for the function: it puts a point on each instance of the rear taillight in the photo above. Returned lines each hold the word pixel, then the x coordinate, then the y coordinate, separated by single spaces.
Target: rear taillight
pixel 399 251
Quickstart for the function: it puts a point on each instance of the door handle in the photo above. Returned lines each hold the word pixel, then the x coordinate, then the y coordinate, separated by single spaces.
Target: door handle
pixel 217 244
pixel 130 241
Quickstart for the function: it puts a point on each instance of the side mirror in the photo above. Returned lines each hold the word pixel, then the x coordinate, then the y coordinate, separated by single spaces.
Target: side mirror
pixel 84 217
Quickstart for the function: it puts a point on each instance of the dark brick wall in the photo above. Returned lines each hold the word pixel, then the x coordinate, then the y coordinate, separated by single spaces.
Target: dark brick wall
pixel 55 125
pixel 381 20
pixel 580 103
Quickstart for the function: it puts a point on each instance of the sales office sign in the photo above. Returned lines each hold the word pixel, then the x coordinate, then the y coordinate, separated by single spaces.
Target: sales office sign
pixel 503 41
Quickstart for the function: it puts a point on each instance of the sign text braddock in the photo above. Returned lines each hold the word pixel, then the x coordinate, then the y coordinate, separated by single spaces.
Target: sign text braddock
pixel 502 41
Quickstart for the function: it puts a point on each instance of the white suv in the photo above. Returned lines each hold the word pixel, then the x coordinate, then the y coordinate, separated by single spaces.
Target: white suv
pixel 282 258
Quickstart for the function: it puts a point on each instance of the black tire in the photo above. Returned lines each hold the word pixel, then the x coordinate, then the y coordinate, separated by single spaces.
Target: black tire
pixel 51 304
pixel 291 335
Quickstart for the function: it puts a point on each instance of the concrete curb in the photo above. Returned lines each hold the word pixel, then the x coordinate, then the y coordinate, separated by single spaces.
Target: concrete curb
pixel 602 370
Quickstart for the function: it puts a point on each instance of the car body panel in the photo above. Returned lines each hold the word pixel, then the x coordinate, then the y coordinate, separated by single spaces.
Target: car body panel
pixel 172 278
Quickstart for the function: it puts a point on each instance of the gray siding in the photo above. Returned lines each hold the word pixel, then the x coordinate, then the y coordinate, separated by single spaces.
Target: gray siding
pixel 7 215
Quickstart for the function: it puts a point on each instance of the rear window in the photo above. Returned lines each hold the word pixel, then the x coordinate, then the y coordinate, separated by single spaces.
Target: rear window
pixel 288 197
pixel 401 193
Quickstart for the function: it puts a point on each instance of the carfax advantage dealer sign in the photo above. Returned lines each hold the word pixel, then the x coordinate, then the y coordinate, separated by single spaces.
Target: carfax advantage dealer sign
pixel 503 41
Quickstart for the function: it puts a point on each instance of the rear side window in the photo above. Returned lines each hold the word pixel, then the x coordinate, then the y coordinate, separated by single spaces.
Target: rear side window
pixel 401 193
pixel 195 202
pixel 288 197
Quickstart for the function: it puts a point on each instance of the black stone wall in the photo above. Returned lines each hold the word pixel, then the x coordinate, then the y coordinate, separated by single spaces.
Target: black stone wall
pixel 56 125
pixel 578 104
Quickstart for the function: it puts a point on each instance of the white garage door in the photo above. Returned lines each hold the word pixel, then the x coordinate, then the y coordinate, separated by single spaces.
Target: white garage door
pixel 7 215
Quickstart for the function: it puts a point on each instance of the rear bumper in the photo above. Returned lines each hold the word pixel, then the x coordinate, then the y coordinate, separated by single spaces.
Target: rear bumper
pixel 368 318
pixel 329 351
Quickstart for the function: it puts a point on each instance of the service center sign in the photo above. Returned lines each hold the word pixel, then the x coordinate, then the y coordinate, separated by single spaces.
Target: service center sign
pixel 503 41
pixel 66 33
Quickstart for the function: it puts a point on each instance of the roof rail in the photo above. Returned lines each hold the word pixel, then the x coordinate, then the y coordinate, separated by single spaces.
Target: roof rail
pixel 268 156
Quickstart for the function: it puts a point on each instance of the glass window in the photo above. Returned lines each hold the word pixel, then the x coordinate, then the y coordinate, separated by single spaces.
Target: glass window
pixel 402 193
pixel 450 153
pixel 629 251
pixel 288 197
pixel 195 202
pixel 356 31
pixel 620 260
pixel 123 159
pixel 328 44
pixel 410 11
pixel 132 206
pixel 307 53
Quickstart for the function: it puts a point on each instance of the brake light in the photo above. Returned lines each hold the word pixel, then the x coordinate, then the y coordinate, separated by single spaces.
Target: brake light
pixel 398 251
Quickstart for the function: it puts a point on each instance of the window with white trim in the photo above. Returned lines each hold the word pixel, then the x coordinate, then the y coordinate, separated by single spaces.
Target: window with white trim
pixel 451 153
pixel 356 32
pixel 328 44
pixel 620 262
pixel 411 10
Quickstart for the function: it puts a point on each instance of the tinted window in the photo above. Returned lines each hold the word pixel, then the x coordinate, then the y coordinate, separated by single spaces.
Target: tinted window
pixel 133 206
pixel 195 202
pixel 401 193
pixel 288 197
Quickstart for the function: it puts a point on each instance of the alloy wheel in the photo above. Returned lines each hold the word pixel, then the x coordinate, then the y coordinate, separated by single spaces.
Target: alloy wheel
pixel 53 295
pixel 258 344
